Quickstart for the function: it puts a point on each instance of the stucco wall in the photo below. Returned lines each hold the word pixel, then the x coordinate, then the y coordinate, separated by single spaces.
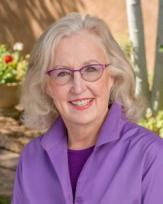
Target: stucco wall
pixel 25 20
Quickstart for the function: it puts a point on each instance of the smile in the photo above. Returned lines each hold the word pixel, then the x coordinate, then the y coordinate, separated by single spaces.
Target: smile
pixel 81 104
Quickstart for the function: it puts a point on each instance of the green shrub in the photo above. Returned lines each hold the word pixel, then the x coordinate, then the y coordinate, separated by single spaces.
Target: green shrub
pixel 154 123
pixel 4 200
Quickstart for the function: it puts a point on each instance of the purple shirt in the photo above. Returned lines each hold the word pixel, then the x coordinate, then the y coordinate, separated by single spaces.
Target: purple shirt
pixel 76 161
pixel 125 167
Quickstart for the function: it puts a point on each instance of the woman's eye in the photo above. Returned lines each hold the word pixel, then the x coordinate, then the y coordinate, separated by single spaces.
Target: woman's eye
pixel 91 69
pixel 63 74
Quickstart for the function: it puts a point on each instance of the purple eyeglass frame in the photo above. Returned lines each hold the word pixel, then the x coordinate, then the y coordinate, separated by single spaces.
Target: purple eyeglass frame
pixel 103 66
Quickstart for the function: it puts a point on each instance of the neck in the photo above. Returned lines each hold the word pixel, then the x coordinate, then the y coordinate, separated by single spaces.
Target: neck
pixel 83 136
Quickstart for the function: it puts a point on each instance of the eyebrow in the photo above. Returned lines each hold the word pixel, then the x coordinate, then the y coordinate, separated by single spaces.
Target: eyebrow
pixel 91 61
pixel 83 64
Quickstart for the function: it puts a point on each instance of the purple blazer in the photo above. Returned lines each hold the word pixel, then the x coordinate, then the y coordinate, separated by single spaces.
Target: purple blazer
pixel 125 167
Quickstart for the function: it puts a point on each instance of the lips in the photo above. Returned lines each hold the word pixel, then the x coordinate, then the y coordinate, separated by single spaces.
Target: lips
pixel 82 104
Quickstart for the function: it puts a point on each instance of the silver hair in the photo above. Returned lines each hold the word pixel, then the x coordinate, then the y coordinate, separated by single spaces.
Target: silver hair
pixel 39 109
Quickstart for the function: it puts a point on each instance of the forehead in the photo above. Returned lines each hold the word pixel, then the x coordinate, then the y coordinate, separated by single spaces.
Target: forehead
pixel 79 48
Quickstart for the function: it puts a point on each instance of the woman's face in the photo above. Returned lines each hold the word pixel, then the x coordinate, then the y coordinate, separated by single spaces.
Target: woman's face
pixel 78 101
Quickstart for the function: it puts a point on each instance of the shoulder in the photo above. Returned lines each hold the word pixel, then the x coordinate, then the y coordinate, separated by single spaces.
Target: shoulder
pixel 33 149
pixel 135 132
pixel 145 145
pixel 140 137
pixel 143 140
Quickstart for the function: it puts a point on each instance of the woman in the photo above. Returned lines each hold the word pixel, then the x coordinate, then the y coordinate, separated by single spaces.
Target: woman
pixel 93 152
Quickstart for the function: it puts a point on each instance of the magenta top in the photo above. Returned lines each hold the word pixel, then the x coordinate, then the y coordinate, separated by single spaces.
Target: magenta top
pixel 76 161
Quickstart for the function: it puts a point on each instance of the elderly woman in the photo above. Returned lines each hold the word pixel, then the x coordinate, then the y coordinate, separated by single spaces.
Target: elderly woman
pixel 93 153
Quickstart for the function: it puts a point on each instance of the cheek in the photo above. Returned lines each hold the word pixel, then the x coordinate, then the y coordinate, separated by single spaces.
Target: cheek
pixel 104 89
pixel 53 91
pixel 59 94
pixel 109 81
pixel 106 84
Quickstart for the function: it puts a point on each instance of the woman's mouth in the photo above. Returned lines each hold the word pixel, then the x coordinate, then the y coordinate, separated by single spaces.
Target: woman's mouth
pixel 81 104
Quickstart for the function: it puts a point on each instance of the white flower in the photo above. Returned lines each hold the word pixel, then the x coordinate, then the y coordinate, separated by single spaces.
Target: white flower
pixel 18 46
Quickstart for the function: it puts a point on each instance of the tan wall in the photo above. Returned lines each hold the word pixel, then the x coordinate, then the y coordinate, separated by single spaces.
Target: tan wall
pixel 25 20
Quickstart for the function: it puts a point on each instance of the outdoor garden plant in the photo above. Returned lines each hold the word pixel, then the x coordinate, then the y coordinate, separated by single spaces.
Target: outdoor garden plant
pixel 153 122
pixel 13 64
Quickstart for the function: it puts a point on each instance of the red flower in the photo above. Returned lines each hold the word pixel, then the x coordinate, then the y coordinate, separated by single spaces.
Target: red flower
pixel 8 58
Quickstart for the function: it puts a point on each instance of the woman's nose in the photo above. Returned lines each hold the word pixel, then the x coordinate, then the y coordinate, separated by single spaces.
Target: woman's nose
pixel 78 84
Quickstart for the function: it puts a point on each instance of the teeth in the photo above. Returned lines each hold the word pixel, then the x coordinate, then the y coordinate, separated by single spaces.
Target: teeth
pixel 81 103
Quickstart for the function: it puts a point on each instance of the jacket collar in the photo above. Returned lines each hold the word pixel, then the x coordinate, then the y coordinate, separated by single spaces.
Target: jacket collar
pixel 112 126
pixel 56 136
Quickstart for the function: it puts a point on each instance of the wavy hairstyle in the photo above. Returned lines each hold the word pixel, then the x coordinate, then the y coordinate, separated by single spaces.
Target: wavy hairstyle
pixel 39 109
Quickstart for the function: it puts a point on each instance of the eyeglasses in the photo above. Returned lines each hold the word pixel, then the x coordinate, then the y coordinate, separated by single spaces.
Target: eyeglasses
pixel 90 73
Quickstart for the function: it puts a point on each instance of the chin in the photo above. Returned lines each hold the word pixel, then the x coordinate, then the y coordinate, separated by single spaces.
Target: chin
pixel 82 119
